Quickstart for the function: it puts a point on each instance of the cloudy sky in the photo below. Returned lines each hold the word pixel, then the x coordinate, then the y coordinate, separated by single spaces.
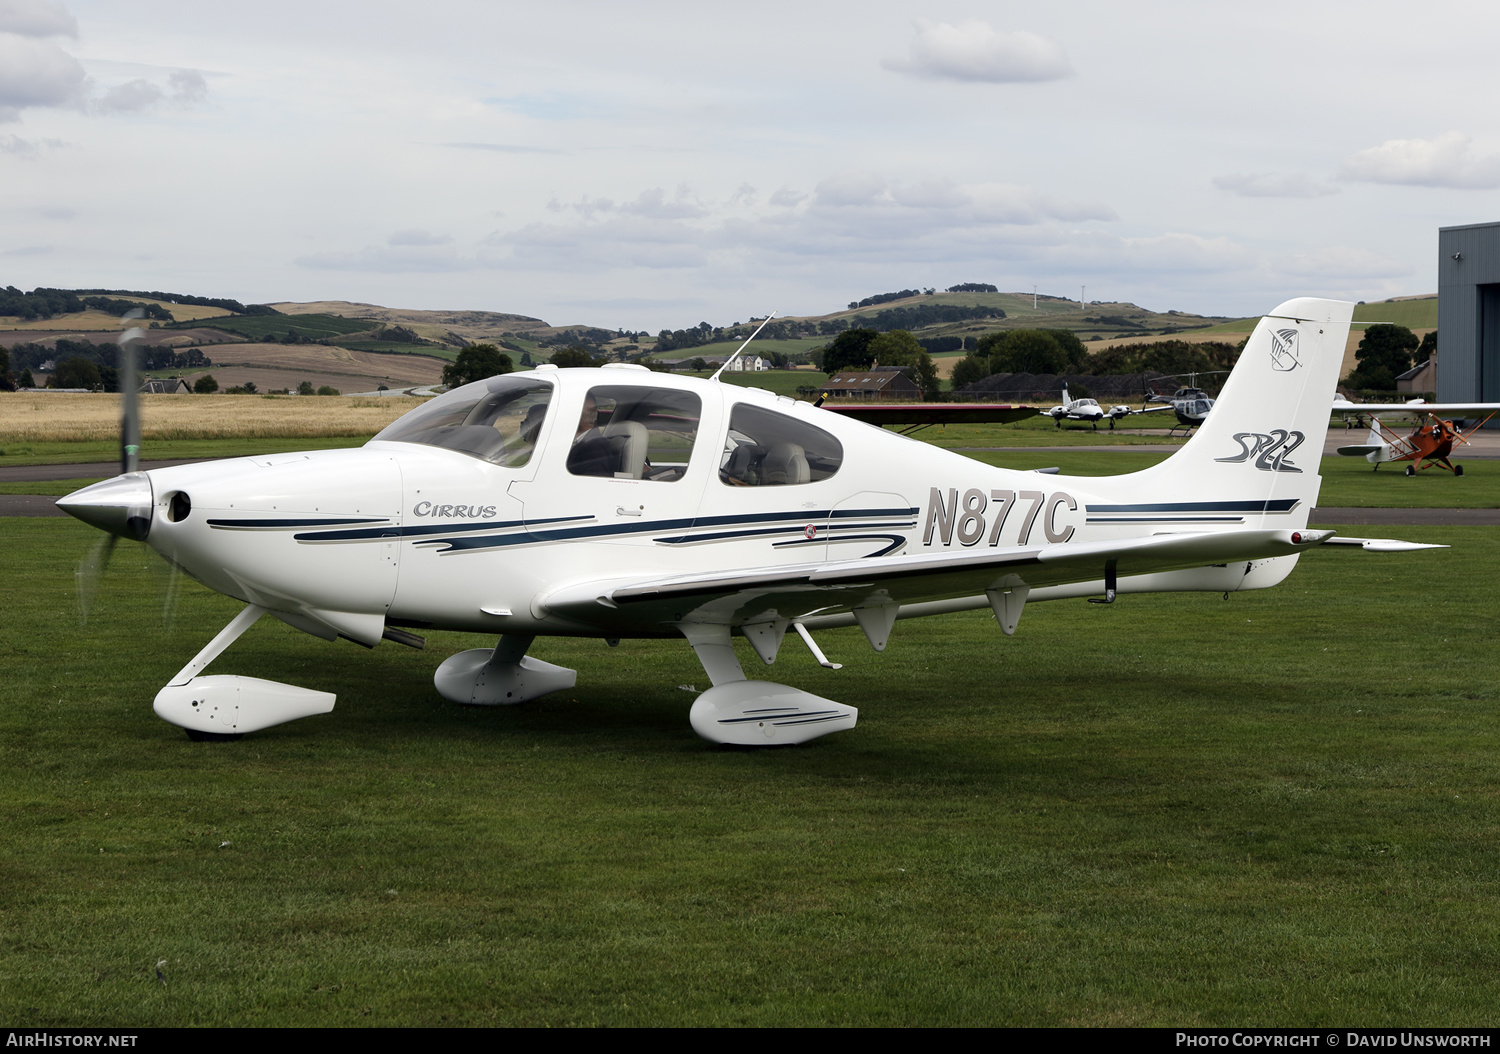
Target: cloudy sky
pixel 651 165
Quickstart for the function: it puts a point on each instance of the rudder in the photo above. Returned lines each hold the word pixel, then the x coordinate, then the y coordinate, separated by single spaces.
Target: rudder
pixel 1263 439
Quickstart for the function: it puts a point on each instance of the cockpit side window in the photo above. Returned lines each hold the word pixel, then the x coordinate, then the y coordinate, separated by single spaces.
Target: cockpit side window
pixel 768 449
pixel 630 432
pixel 497 420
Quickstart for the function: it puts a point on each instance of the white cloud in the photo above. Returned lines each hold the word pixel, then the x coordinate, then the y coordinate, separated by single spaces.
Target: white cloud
pixel 14 144
pixel 849 188
pixel 503 148
pixel 1171 253
pixel 972 51
pixel 617 242
pixel 417 237
pixel 851 216
pixel 188 87
pixel 129 97
pixel 1274 185
pixel 36 73
pixel 1341 262
pixel 1447 161
pixel 652 203
pixel 393 259
pixel 36 18
pixel 937 203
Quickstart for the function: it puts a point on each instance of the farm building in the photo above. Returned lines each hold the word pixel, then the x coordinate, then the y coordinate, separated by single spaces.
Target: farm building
pixel 873 383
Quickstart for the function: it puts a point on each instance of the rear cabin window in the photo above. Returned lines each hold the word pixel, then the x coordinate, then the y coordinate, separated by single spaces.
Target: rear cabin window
pixel 496 420
pixel 629 432
pixel 768 449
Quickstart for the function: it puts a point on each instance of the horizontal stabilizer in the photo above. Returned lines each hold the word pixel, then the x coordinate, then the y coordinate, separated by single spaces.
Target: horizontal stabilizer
pixel 1382 545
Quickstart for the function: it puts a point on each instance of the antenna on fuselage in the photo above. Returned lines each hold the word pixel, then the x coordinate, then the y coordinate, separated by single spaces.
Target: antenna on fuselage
pixel 742 347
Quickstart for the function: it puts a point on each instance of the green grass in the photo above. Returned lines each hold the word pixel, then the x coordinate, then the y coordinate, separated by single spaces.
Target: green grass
pixel 1347 482
pixel 1413 314
pixel 782 382
pixel 67 453
pixel 721 350
pixel 256 327
pixel 1043 431
pixel 1176 810
pixel 53 487
pixel 390 347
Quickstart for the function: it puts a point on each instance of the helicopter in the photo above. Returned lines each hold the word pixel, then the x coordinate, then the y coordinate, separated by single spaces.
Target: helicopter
pixel 617 503
pixel 1191 403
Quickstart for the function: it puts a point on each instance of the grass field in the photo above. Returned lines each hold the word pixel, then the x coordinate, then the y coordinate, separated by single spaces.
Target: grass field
pixel 782 382
pixel 314 327
pixel 27 419
pixel 94 319
pixel 1413 314
pixel 391 347
pixel 87 321
pixel 1177 810
pixel 721 350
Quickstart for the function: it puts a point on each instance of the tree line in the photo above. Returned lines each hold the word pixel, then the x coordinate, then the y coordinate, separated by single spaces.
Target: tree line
pixel 232 306
pixel 45 303
pixel 84 364
pixel 1060 351
pixel 1385 352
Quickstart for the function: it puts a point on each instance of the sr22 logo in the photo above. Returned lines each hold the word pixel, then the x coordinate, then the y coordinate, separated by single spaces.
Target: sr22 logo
pixel 947 515
pixel 1269 451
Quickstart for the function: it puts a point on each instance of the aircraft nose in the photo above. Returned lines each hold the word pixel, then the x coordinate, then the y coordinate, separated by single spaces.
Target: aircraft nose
pixel 120 506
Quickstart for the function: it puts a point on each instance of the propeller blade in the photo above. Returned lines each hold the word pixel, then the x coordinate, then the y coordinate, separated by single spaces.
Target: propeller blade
pixel 89 572
pixel 170 588
pixel 130 410
pixel 169 600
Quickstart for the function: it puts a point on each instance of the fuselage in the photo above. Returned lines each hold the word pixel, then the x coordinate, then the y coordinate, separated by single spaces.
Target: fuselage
pixel 467 513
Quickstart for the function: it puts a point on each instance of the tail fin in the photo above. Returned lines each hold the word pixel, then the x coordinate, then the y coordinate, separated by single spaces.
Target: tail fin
pixel 1261 445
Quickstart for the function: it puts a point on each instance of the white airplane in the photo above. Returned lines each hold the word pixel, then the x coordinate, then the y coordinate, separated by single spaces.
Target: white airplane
pixel 1086 409
pixel 617 502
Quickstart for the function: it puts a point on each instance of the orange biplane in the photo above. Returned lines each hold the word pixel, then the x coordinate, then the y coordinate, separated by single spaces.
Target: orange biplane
pixel 1430 444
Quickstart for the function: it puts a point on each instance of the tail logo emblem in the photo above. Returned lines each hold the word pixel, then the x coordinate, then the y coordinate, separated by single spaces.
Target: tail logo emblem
pixel 1270 452
pixel 1284 350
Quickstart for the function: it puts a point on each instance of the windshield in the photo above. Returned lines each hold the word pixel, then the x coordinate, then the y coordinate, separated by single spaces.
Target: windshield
pixel 497 420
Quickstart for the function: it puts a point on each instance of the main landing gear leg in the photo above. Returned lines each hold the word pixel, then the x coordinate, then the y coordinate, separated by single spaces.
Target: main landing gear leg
pixel 227 706
pixel 502 677
pixel 754 713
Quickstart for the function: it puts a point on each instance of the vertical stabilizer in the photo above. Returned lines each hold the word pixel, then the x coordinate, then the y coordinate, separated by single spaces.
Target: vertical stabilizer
pixel 1261 445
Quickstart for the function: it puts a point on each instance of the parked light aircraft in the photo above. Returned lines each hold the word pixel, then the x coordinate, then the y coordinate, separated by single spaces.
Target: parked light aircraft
pixel 620 503
pixel 1086 409
pixel 1429 445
